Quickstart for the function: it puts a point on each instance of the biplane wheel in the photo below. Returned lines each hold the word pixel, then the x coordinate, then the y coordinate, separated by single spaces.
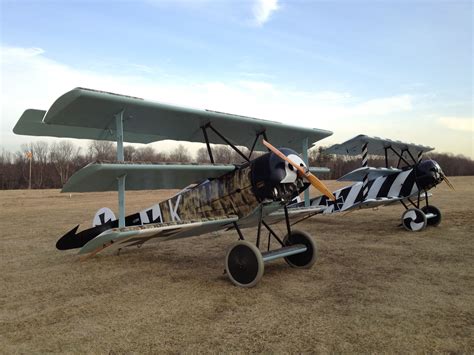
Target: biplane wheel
pixel 244 264
pixel 433 221
pixel 302 260
pixel 414 220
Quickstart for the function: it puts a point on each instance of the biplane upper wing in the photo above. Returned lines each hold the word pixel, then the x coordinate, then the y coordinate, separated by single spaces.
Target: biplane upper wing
pixel 375 146
pixel 90 114
pixel 103 176
pixel 138 235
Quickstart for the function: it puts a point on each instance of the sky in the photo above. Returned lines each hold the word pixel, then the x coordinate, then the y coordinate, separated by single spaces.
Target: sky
pixel 400 69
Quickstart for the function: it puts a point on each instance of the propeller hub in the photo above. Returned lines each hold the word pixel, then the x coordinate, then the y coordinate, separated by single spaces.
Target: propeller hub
pixel 275 179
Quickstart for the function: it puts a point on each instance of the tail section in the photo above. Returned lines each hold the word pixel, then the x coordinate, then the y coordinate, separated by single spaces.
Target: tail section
pixel 103 216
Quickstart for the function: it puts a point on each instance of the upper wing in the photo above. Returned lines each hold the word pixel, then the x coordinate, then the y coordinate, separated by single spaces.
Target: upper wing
pixel 103 177
pixel 137 235
pixel 376 146
pixel 89 114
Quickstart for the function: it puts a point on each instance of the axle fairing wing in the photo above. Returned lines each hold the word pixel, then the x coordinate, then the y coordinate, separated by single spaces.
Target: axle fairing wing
pixel 90 114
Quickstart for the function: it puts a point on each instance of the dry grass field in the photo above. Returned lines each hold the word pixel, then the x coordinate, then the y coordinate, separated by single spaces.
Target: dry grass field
pixel 374 288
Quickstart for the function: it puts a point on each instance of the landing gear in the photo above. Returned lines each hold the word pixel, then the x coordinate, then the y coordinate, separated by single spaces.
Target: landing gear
pixel 302 260
pixel 433 215
pixel 245 263
pixel 418 218
pixel 414 220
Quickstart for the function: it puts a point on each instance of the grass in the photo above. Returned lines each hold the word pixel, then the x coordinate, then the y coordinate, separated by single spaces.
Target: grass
pixel 374 287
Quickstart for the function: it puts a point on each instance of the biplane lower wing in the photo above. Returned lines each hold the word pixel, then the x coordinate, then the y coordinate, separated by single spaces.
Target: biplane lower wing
pixel 117 238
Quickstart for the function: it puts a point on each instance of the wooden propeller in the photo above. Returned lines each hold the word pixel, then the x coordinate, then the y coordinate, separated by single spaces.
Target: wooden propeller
pixel 303 172
pixel 445 178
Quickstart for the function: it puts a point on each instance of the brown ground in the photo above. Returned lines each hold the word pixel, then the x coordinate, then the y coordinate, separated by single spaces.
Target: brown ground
pixel 374 287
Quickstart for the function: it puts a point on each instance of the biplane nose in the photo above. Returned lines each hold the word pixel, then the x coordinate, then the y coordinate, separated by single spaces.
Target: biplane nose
pixel 273 178
pixel 428 174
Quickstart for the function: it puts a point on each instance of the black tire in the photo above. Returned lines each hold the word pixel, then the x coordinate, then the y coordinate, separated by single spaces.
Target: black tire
pixel 433 221
pixel 244 264
pixel 303 260
pixel 414 220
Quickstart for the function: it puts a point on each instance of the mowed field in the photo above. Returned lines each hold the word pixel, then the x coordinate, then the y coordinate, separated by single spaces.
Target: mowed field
pixel 374 288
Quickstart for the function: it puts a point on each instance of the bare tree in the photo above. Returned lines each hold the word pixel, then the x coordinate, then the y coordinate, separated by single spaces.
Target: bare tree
pixel 145 154
pixel 40 151
pixel 180 154
pixel 222 154
pixel 102 150
pixel 203 155
pixel 129 153
pixel 61 155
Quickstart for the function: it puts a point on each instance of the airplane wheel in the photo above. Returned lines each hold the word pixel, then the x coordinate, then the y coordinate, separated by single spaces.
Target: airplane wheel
pixel 414 220
pixel 244 264
pixel 303 260
pixel 433 221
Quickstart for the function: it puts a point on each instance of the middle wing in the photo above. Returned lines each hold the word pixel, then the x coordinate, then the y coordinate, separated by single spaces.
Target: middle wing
pixel 103 176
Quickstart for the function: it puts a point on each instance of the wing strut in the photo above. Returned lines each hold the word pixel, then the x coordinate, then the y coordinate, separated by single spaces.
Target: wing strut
pixel 120 158
pixel 305 159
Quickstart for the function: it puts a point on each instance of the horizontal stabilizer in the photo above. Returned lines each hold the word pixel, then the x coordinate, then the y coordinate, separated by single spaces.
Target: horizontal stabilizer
pixel 373 173
pixel 103 176
pixel 375 146
pixel 90 114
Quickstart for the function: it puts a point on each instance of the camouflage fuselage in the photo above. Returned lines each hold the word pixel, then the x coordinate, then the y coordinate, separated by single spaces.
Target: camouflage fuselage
pixel 230 194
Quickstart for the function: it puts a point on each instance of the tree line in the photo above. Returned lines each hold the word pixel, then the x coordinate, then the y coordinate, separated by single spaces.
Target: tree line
pixel 53 163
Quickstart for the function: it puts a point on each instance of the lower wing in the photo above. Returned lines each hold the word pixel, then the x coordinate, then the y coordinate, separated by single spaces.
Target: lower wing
pixel 117 238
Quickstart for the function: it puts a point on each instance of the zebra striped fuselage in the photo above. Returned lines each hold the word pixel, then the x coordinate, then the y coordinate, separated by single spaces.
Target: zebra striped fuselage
pixel 402 184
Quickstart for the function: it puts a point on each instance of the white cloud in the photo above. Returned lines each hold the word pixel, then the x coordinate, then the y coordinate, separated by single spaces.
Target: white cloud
pixel 262 9
pixel 30 79
pixel 465 124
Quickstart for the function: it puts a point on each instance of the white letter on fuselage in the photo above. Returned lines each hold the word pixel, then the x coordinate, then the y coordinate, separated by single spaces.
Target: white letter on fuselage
pixel 174 210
